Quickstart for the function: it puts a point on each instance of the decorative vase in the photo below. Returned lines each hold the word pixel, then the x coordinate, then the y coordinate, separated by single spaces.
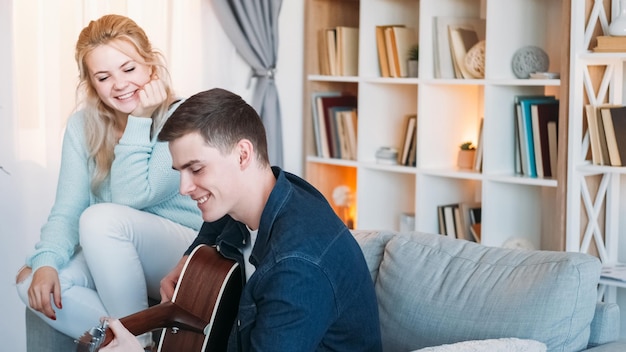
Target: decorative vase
pixel 465 159
pixel 618 24
pixel 412 65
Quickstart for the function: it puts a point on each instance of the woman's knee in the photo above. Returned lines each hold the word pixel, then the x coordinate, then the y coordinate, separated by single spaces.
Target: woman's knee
pixel 101 219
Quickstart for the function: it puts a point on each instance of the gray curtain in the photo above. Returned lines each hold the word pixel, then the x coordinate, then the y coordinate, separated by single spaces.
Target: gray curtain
pixel 252 26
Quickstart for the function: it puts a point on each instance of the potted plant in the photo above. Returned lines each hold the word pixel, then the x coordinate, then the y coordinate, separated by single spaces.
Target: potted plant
pixel 466 156
pixel 413 59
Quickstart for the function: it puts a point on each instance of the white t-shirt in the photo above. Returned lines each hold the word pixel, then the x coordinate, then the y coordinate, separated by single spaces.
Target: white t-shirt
pixel 247 250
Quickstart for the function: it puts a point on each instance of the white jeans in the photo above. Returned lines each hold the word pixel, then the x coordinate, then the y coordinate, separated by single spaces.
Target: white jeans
pixel 125 254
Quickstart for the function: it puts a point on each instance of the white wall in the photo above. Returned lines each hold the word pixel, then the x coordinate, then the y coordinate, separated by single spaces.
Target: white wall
pixel 31 154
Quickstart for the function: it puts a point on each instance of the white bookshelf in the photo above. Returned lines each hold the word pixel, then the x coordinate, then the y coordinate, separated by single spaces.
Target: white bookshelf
pixel 596 194
pixel 449 112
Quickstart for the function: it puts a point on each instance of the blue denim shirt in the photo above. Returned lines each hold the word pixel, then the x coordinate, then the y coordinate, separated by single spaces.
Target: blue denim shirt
pixel 311 290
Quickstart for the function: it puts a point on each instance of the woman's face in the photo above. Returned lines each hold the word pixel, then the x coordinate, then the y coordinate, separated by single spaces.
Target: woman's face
pixel 117 77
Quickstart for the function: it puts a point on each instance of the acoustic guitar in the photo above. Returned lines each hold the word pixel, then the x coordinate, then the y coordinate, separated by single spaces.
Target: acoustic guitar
pixel 198 318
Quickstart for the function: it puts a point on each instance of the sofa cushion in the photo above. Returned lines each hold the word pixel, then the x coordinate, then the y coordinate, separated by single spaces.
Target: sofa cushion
pixel 435 290
pixel 373 246
pixel 603 326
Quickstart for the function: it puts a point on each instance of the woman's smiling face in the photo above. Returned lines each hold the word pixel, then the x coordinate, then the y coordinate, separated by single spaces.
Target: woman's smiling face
pixel 117 77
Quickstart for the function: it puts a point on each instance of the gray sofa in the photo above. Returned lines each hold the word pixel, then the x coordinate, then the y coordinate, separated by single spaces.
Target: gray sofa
pixel 434 290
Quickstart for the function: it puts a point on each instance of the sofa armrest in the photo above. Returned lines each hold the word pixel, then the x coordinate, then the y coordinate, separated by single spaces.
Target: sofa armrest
pixel 605 326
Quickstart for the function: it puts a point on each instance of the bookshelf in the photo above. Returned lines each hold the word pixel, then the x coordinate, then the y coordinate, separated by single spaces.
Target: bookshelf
pixel 449 112
pixel 596 193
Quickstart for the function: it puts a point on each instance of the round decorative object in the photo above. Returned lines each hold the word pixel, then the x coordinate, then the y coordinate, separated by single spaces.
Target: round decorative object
pixel 518 243
pixel 529 59
pixel 475 60
pixel 618 24
pixel 342 196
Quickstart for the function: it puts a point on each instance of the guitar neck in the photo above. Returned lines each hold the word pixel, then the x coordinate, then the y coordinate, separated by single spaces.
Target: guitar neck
pixel 164 315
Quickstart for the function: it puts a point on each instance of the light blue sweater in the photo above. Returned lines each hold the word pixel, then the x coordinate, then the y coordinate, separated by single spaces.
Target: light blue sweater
pixel 141 177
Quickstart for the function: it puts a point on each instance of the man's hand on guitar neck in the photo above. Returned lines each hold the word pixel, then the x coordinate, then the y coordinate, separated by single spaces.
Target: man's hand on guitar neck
pixel 168 283
pixel 123 340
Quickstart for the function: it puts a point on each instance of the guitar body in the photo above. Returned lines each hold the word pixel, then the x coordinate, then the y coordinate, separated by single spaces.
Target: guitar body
pixel 198 318
pixel 199 291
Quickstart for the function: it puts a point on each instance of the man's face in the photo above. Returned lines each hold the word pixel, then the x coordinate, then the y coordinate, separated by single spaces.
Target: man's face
pixel 207 176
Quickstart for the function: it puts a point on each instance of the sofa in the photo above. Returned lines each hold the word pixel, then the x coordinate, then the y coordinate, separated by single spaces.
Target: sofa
pixel 434 290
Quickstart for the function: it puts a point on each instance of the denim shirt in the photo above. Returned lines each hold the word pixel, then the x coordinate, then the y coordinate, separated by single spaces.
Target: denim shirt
pixel 312 290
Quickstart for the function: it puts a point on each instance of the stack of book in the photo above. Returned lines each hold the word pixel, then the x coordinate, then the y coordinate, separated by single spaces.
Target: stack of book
pixel 460 220
pixel 453 38
pixel 606 125
pixel 338 50
pixel 394 43
pixel 407 155
pixel 537 122
pixel 610 44
pixel 335 124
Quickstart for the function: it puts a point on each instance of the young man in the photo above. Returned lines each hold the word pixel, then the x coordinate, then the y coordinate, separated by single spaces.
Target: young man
pixel 307 286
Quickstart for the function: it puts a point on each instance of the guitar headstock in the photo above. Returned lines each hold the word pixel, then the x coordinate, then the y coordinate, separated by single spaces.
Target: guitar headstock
pixel 92 339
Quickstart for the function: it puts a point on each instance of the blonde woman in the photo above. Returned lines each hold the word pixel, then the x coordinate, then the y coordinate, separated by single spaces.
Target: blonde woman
pixel 118 223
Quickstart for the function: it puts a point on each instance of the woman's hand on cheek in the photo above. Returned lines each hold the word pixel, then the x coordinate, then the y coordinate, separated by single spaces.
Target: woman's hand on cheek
pixel 150 97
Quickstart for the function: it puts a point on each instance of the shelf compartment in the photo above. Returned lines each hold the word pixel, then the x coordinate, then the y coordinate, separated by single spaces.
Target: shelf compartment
pixel 326 177
pixel 382 117
pixel 517 211
pixel 448 116
pixel 435 191
pixel 384 196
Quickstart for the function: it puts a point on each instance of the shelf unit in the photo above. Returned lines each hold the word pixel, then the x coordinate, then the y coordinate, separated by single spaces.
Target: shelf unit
pixel 596 194
pixel 448 111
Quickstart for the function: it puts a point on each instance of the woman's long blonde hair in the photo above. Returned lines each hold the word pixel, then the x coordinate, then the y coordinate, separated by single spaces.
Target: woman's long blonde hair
pixel 99 119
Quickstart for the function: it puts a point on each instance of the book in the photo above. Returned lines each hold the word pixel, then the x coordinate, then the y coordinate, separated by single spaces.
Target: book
pixel 458 226
pixel 604 149
pixel 340 137
pixel 522 151
pixel 614 272
pixel 520 158
pixel 607 43
pixel 553 146
pixel 390 44
pixel 467 219
pixel 517 158
pixel 322 52
pixel 347 50
pixel 594 137
pixel 319 123
pixel 405 38
pixel 408 137
pixel 449 219
pixel 541 115
pixel 381 48
pixel 441 220
pixel 350 124
pixel 475 214
pixel 614 120
pixel 529 166
pixel 326 104
pixel 412 160
pixel 443 63
pixel 462 39
pixel 595 128
pixel 331 49
pixel 478 161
